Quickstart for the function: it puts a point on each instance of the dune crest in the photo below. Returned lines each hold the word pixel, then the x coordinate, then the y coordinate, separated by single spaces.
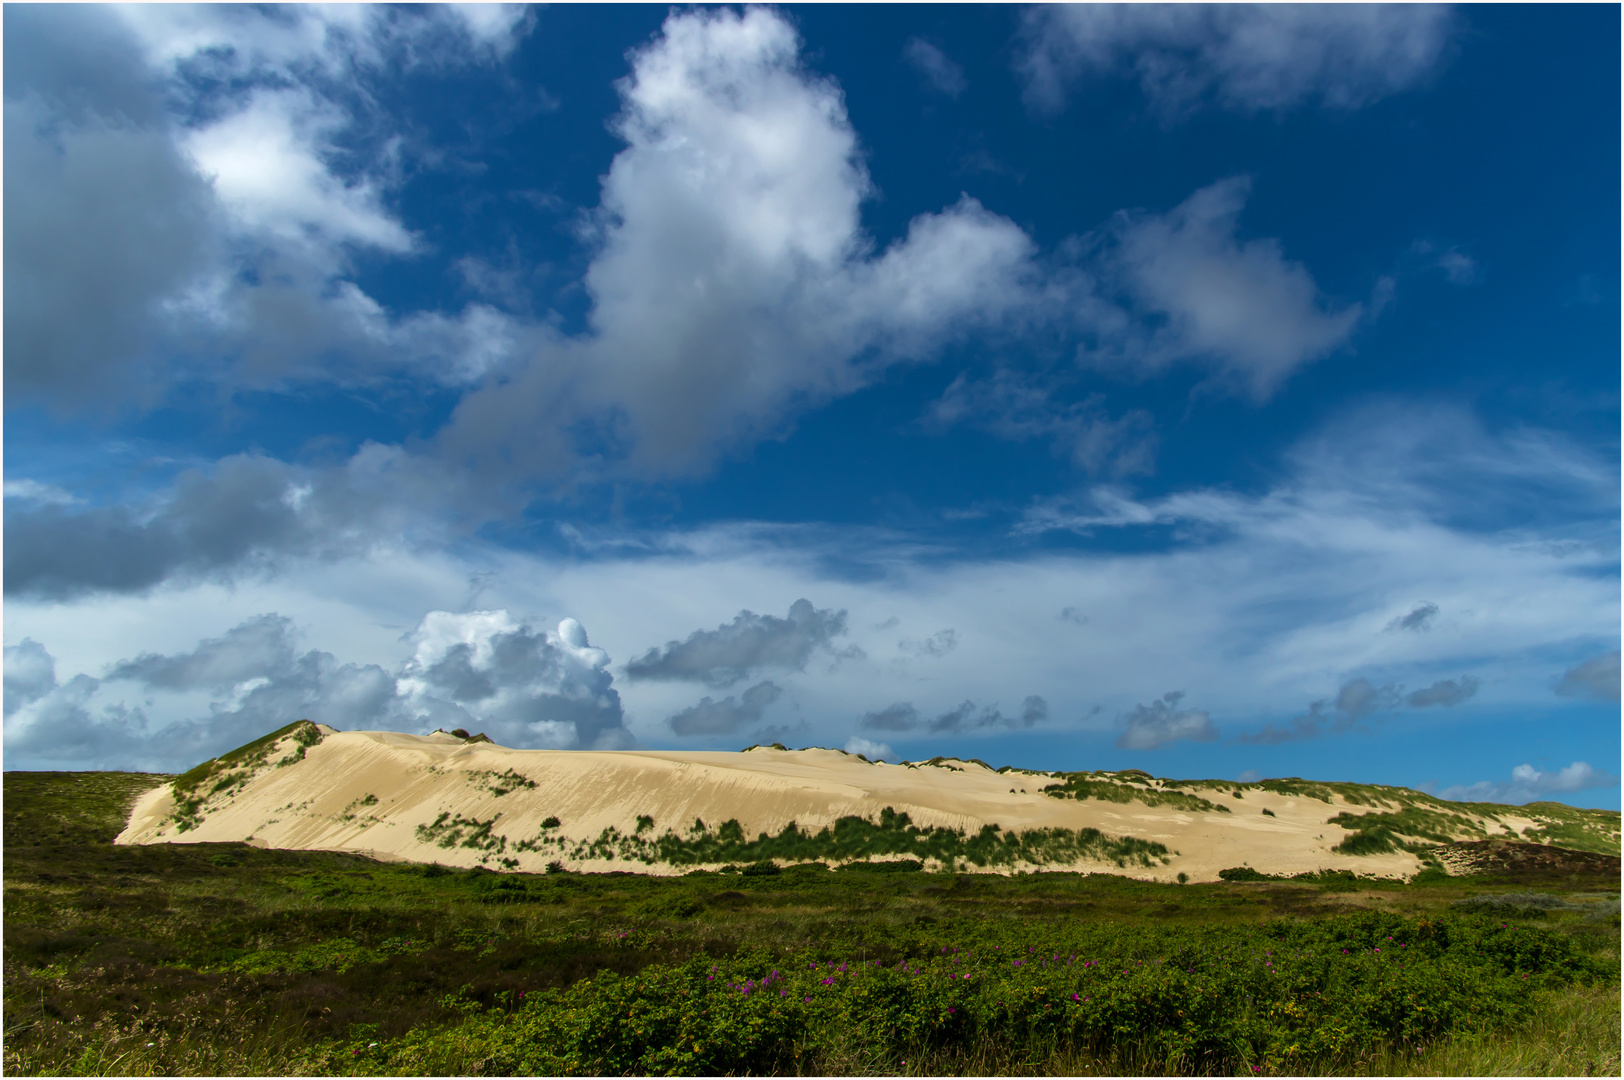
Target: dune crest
pixel 460 801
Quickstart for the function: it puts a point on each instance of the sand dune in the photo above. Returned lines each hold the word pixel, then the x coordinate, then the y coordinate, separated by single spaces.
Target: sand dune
pixel 442 798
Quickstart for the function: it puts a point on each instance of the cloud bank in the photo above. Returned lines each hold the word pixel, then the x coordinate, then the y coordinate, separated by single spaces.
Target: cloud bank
pixel 481 670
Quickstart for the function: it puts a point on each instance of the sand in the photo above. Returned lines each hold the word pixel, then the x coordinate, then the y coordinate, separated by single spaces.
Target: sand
pixel 369 792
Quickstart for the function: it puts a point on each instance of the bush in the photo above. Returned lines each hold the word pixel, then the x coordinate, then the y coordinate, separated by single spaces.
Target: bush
pixel 1243 873
pixel 1277 998
pixel 764 868
pixel 891 866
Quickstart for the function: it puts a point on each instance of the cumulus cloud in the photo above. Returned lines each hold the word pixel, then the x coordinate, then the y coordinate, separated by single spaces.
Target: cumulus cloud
pixel 1162 722
pixel 107 218
pixel 1596 678
pixel 189 188
pixel 255 680
pixel 1241 306
pixel 874 751
pixel 480 670
pixel 1528 784
pixel 935 67
pixel 728 715
pixel 1243 57
pixel 733 282
pixel 263 644
pixel 965 717
pixel 1014 407
pixel 728 654
pixel 1418 618
pixel 523 687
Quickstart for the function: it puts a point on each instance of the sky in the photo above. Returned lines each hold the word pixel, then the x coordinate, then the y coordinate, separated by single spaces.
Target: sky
pixel 1223 392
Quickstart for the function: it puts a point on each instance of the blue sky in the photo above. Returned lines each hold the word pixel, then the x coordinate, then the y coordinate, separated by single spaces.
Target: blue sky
pixel 1216 391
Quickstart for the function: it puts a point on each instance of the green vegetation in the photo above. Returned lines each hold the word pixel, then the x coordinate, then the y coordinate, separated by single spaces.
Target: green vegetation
pixel 1380 832
pixel 1104 786
pixel 226 959
pixel 848 838
pixel 500 783
pixel 1566 826
pixel 230 772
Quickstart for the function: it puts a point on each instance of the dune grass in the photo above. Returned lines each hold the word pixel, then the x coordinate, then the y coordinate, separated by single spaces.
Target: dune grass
pixel 221 959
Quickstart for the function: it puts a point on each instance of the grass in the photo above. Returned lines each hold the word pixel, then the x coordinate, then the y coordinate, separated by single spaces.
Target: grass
pixel 232 960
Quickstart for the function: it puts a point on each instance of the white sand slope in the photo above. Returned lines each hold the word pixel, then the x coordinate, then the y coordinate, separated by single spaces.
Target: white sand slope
pixel 382 794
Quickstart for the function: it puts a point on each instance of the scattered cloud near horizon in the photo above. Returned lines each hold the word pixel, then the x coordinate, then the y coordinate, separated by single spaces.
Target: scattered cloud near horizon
pixel 1162 721
pixel 902 716
pixel 874 751
pixel 1357 699
pixel 1528 784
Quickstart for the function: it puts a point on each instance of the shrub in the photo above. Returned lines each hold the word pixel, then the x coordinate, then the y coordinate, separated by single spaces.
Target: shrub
pixel 1243 873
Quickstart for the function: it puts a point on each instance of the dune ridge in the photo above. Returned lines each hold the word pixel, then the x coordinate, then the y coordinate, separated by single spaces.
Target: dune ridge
pixel 444 798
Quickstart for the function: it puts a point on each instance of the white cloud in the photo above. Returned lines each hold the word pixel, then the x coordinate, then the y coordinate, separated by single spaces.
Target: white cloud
pixel 874 751
pixel 733 283
pixel 524 688
pixel 1241 306
pixel 935 67
pixel 35 492
pixel 268 164
pixel 1244 57
pixel 1528 784
pixel 191 185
